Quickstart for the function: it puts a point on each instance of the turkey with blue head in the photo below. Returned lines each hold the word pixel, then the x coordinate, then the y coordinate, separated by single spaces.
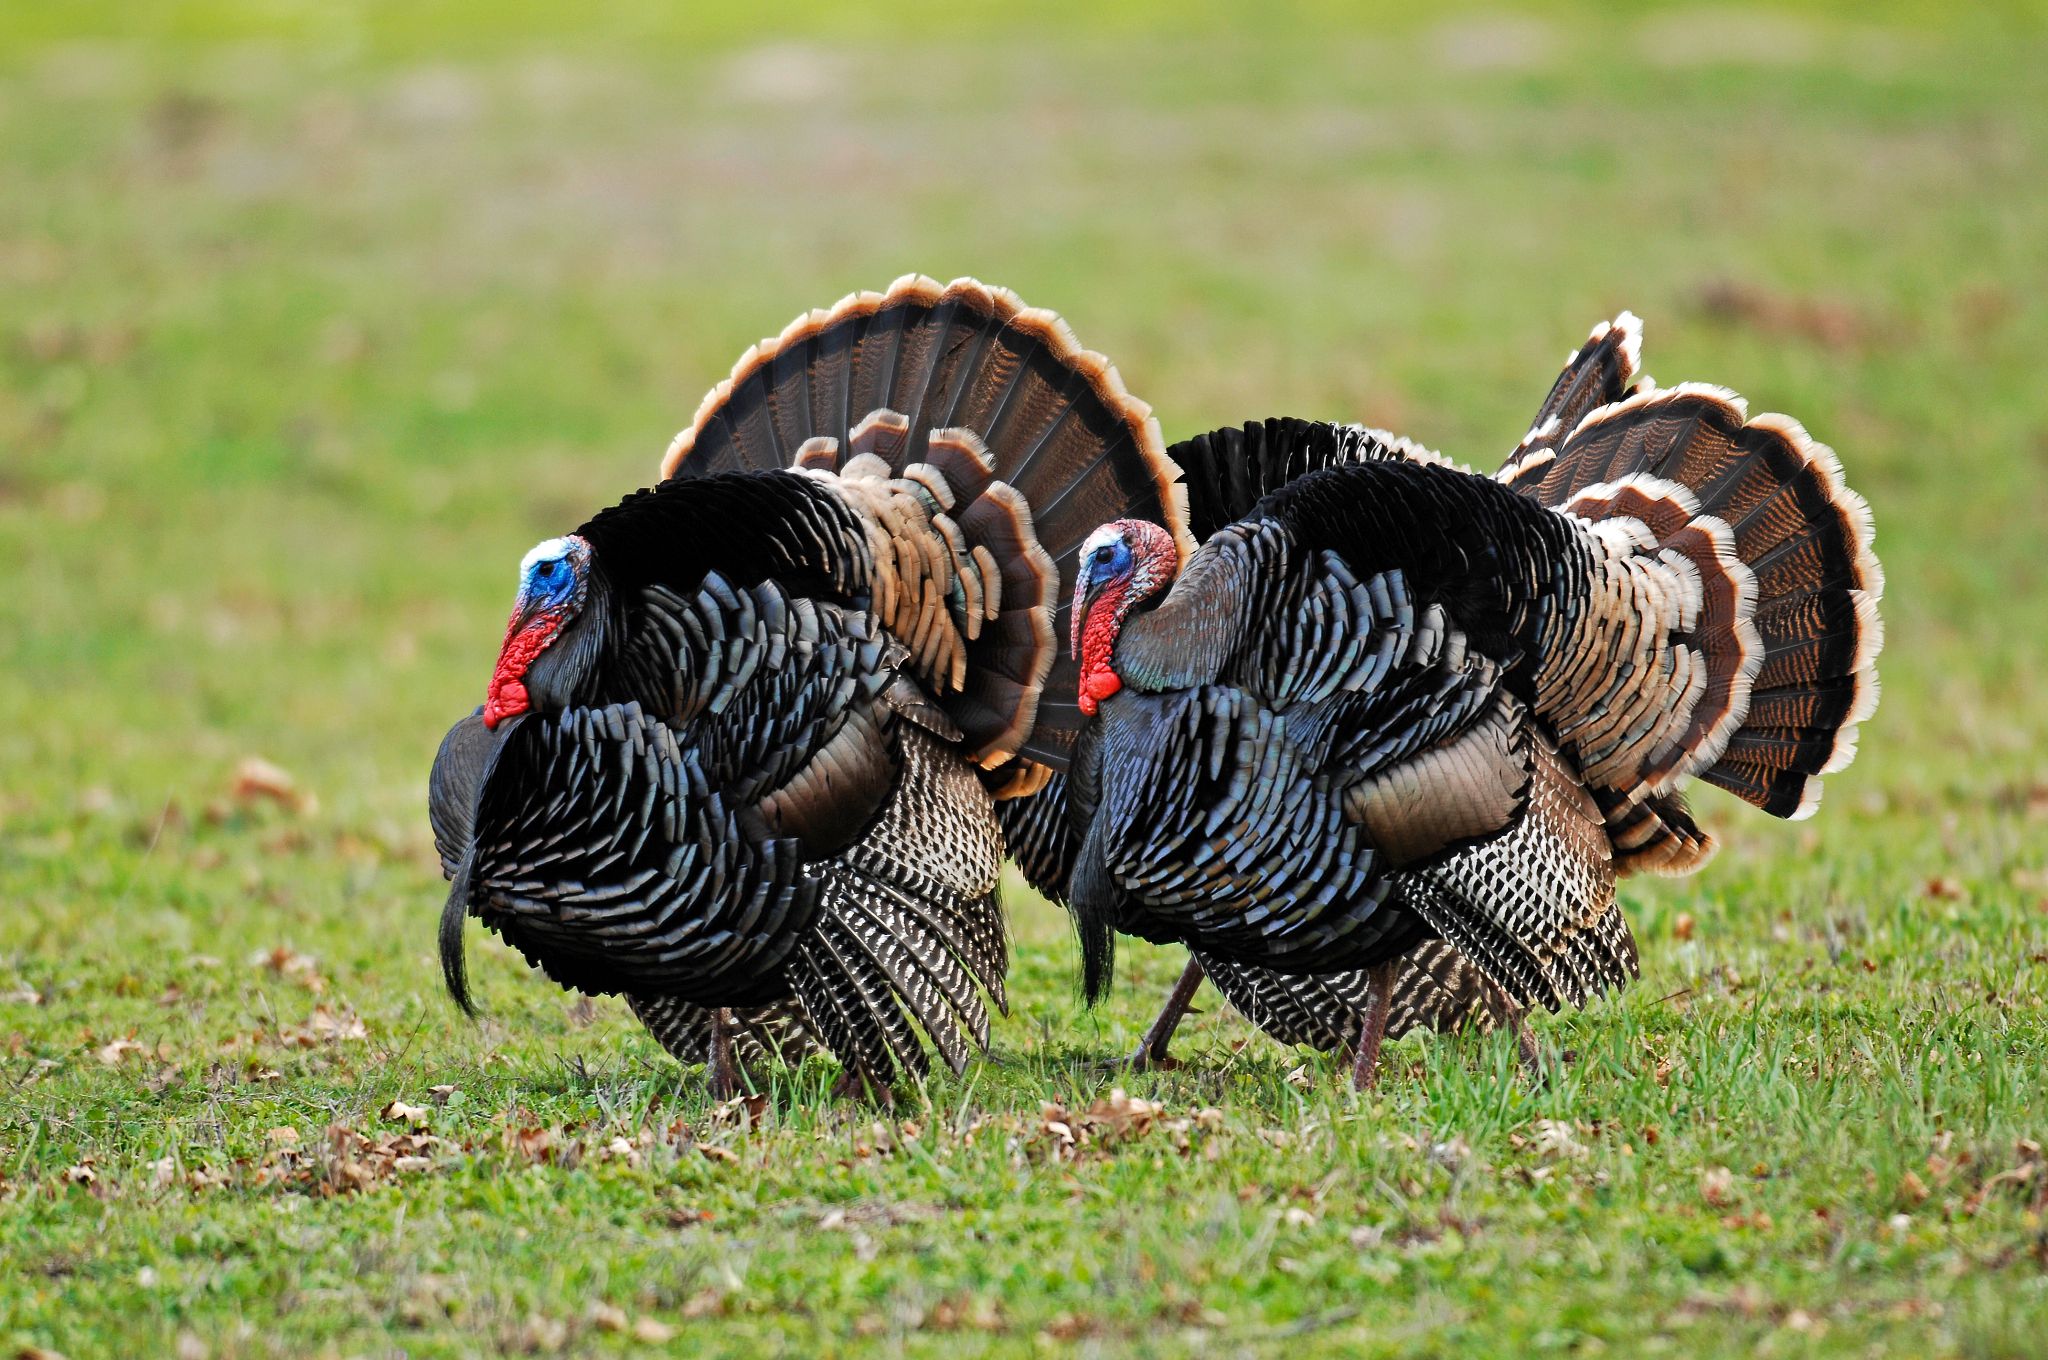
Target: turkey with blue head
pixel 1377 752
pixel 739 756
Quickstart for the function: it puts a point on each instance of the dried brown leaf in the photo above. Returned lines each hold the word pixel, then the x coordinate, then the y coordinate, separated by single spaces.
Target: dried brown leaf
pixel 112 1054
pixel 1555 1140
pixel 257 780
pixel 416 1116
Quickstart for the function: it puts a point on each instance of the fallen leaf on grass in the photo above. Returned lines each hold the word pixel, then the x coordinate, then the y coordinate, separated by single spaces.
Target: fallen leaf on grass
pixel 961 1313
pixel 113 1053
pixel 287 962
pixel 1684 926
pixel 324 1026
pixel 744 1111
pixel 874 1211
pixel 1069 1327
pixel 1452 1153
pixel 1555 1139
pixel 533 1144
pixel 257 780
pixel 1717 1186
pixel 1114 1118
pixel 416 1116
pixel 538 1335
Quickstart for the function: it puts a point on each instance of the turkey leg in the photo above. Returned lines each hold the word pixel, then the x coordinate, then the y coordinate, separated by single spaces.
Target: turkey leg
pixel 1508 1012
pixel 721 1070
pixel 1152 1048
pixel 1379 989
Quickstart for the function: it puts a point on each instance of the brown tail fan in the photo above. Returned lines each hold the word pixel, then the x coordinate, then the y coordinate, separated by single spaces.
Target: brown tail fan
pixel 1793 635
pixel 1067 450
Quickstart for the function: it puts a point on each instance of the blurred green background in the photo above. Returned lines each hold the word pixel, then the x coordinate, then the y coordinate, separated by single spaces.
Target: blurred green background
pixel 314 316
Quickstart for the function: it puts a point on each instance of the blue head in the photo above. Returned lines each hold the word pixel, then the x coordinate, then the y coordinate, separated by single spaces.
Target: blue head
pixel 553 580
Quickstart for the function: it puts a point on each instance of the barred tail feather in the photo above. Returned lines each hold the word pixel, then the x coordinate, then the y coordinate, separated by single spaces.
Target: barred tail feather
pixel 912 927
pixel 1790 588
pixel 1027 441
pixel 1604 370
pixel 1534 909
pixel 1655 836
pixel 781 1031
pixel 1435 989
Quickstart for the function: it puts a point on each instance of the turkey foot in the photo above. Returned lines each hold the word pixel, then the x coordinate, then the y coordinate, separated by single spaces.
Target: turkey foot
pixel 1152 1055
pixel 1379 986
pixel 722 1071
pixel 853 1085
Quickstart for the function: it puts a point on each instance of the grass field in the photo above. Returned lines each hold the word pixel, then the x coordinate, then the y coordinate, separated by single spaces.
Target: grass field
pixel 314 317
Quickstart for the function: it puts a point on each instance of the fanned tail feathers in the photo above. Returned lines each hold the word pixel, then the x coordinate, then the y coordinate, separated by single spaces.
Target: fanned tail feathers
pixel 990 421
pixel 1784 618
pixel 1229 471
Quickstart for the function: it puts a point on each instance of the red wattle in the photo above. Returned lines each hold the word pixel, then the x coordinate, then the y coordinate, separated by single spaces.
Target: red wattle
pixel 1097 686
pixel 1099 679
pixel 507 696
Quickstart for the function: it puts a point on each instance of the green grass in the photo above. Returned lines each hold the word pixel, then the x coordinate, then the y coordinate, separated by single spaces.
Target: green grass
pixel 313 317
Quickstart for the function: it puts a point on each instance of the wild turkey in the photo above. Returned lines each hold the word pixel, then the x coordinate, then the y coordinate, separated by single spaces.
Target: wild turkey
pixel 739 756
pixel 1400 702
pixel 1227 472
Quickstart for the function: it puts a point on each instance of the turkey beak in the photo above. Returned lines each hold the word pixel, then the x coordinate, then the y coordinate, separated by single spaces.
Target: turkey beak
pixel 523 610
pixel 1085 595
